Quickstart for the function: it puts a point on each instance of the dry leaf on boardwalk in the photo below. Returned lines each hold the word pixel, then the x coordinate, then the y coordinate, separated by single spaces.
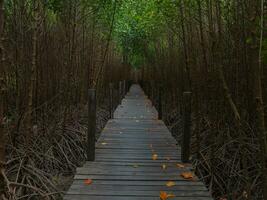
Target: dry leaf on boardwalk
pixel 135 166
pixel 154 156
pixel 164 166
pixel 188 175
pixel 88 181
pixel 170 184
pixel 104 143
pixel 164 195
pixel 180 165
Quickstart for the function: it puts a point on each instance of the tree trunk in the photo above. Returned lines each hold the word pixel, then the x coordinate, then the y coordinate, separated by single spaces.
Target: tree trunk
pixel 227 93
pixel 260 117
pixel 185 47
pixel 29 114
pixel 2 131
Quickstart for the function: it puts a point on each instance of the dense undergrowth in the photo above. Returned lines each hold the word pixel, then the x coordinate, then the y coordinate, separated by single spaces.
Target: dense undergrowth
pixel 44 168
pixel 224 156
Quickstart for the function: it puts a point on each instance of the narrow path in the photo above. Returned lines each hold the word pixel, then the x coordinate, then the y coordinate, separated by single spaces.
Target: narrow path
pixel 131 154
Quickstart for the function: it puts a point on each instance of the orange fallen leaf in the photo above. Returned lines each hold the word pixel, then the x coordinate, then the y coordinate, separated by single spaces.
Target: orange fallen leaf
pixel 170 184
pixel 171 195
pixel 164 195
pixel 154 156
pixel 164 166
pixel 88 181
pixel 180 165
pixel 187 175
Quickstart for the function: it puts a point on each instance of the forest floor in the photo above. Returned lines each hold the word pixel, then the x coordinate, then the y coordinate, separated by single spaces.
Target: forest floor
pixel 65 180
pixel 47 166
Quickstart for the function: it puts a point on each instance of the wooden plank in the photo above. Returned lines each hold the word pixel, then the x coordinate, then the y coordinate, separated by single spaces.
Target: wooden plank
pixel 139 183
pixel 99 187
pixel 137 193
pixel 125 163
pixel 101 197
pixel 163 177
pixel 131 168
pixel 169 173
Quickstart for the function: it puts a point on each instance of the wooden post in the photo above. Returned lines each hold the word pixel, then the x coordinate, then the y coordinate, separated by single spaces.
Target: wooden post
pixel 141 82
pixel 160 102
pixel 148 88
pixel 120 91
pixel 91 125
pixel 186 137
pixel 111 106
pixel 116 98
pixel 152 92
pixel 124 88
pixel 128 85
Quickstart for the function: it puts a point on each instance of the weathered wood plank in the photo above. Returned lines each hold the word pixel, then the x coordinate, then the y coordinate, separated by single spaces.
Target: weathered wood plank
pixel 163 177
pixel 102 197
pixel 77 186
pixel 154 193
pixel 139 183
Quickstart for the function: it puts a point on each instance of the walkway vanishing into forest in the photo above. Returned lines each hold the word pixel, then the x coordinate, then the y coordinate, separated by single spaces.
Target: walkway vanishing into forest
pixel 136 158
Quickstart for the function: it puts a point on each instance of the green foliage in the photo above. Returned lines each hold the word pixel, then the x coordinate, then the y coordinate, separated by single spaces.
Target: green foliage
pixel 54 5
pixel 137 24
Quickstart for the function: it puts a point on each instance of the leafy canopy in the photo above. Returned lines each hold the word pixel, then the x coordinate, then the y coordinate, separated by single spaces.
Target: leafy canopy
pixel 138 22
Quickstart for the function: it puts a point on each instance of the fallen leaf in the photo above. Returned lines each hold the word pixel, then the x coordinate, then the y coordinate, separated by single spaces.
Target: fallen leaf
pixel 245 194
pixel 170 196
pixel 180 165
pixel 104 143
pixel 137 121
pixel 88 181
pixel 187 175
pixel 164 195
pixel 170 184
pixel 164 166
pixel 168 158
pixel 135 166
pixel 154 156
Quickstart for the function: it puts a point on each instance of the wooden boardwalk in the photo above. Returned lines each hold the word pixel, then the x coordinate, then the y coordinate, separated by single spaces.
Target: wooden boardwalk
pixel 124 168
